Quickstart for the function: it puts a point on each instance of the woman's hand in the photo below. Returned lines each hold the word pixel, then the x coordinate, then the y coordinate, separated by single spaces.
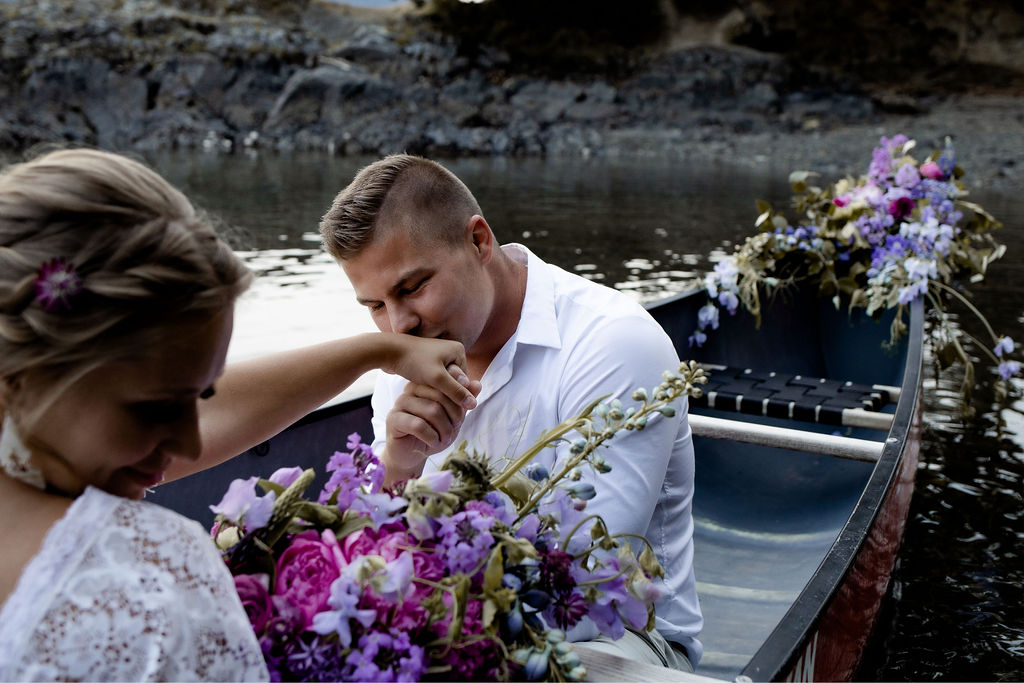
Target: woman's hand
pixel 436 363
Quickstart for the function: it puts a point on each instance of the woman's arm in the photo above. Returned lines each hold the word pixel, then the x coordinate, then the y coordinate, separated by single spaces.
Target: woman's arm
pixel 258 398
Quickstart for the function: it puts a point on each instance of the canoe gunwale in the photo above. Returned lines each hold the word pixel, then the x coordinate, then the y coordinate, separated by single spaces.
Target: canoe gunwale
pixel 779 653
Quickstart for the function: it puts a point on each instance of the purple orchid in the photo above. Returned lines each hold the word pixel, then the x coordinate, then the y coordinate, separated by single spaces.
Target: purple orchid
pixel 344 604
pixel 243 506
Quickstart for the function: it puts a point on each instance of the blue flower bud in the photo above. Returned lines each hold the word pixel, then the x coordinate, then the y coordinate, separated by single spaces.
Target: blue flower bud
pixel 581 489
pixel 536 598
pixel 512 581
pixel 555 635
pixel 578 446
pixel 576 674
pixel 536 665
pixel 667 411
pixel 568 661
pixel 640 394
pixel 513 622
pixel 615 409
pixel 537 472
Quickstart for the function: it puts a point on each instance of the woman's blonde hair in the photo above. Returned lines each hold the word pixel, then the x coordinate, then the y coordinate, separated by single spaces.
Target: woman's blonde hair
pixel 145 258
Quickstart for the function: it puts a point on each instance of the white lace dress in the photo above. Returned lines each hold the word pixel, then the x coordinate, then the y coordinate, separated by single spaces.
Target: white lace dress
pixel 124 590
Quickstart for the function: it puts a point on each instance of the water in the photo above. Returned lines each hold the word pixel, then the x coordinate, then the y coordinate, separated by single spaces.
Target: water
pixel 957 609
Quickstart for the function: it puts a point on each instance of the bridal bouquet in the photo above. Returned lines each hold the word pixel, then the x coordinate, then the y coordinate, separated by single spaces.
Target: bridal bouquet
pixel 901 232
pixel 462 574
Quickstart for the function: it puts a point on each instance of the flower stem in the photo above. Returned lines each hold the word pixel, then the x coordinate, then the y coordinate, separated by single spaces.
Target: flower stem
pixel 969 305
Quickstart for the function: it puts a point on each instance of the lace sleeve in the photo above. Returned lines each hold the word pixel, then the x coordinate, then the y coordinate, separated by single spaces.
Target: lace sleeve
pixel 144 597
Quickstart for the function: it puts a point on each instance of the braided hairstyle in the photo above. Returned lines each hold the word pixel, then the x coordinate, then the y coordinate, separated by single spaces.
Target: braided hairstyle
pixel 146 260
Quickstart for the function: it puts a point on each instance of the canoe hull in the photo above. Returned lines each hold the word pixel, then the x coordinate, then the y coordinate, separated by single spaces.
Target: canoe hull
pixel 835 650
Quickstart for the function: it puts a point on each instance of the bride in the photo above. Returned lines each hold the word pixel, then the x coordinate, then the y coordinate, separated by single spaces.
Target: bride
pixel 116 303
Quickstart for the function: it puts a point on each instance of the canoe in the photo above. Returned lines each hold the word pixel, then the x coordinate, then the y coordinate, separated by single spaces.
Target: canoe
pixel 806 444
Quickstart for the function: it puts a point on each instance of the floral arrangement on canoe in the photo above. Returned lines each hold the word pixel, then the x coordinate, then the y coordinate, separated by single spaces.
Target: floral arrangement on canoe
pixel 901 232
pixel 462 574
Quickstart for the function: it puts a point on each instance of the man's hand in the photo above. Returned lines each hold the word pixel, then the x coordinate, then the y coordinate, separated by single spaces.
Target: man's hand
pixel 422 422
pixel 437 363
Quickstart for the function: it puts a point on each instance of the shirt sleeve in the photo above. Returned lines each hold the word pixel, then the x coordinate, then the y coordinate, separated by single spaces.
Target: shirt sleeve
pixel 622 355
pixel 385 391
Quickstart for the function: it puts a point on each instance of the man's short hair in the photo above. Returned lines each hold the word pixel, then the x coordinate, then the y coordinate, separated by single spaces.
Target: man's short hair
pixel 399 191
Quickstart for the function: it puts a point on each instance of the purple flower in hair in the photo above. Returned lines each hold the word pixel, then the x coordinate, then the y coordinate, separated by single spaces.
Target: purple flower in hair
pixel 57 283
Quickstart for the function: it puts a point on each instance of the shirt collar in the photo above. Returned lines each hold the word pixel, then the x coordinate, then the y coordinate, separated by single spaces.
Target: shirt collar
pixel 537 322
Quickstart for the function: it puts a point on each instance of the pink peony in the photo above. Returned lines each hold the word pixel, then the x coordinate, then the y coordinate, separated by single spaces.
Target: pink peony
pixel 306 570
pixel 930 169
pixel 253 590
pixel 389 542
pixel 391 545
pixel 368 541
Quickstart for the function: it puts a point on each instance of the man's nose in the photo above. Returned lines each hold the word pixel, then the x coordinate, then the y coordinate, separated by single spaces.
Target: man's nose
pixel 403 320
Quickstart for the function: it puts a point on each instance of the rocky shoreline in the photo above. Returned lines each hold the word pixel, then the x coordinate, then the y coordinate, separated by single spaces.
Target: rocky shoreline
pixel 142 75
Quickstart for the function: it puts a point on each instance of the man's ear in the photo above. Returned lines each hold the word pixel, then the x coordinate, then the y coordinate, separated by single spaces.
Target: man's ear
pixel 481 237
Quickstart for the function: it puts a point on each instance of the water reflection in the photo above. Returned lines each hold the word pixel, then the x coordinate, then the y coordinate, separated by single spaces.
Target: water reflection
pixel 641 226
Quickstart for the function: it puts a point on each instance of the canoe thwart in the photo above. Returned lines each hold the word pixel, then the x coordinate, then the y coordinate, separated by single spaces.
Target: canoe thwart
pixel 797 397
pixel 781 437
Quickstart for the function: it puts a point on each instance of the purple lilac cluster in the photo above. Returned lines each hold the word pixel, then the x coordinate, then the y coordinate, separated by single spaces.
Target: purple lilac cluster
pixel 722 285
pixel 911 219
pixel 398 584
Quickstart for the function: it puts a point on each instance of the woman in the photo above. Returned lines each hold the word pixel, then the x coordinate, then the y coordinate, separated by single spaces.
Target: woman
pixel 116 303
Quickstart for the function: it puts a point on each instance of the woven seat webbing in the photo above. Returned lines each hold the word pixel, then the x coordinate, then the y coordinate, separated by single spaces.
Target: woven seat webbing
pixel 812 399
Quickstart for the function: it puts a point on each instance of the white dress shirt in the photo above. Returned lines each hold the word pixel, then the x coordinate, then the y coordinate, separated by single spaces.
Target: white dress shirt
pixel 577 341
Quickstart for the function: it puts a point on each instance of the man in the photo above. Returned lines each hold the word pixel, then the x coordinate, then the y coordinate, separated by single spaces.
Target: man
pixel 541 344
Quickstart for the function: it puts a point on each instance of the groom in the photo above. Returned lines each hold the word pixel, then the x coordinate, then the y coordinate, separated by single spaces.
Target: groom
pixel 541 344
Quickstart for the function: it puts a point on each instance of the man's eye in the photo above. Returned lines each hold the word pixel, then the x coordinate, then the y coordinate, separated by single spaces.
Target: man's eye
pixel 375 307
pixel 409 290
pixel 208 392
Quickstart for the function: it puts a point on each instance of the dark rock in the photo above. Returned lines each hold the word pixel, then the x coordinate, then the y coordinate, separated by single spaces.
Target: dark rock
pixel 326 96
pixel 234 75
pixel 545 101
